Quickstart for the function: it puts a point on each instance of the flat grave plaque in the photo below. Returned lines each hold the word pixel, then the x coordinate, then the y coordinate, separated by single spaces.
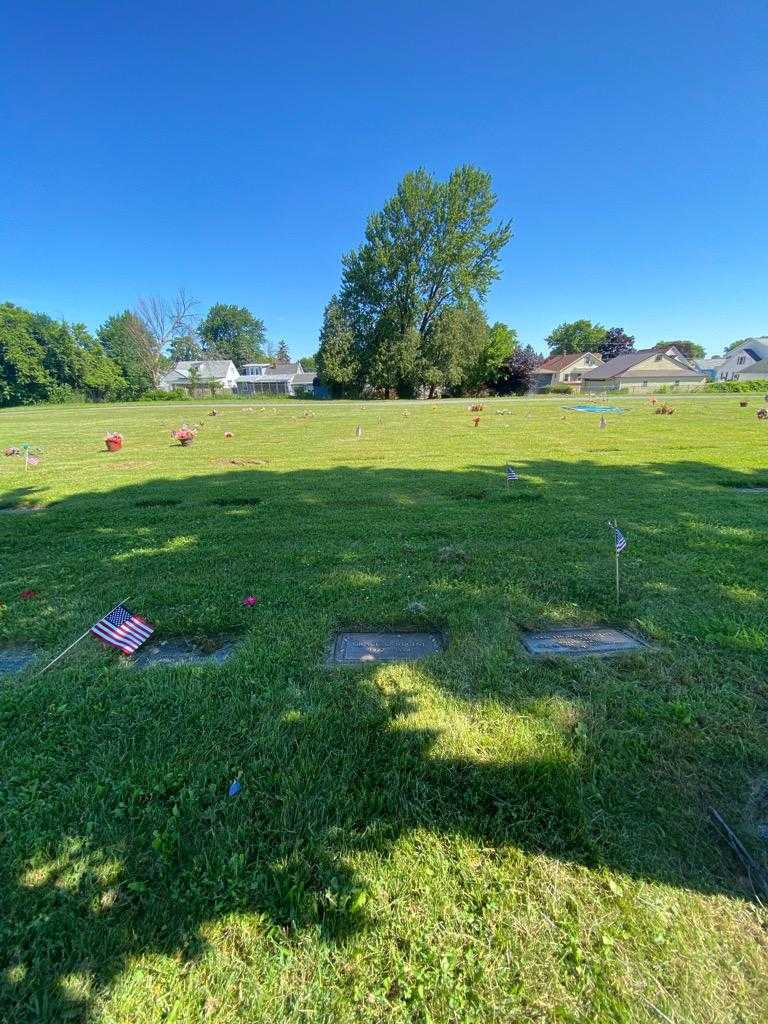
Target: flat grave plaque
pixel 367 648
pixel 578 642
pixel 180 651
pixel 750 490
pixel 15 659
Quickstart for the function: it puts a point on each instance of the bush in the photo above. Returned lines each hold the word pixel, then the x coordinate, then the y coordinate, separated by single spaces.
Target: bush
pixel 556 389
pixel 736 387
pixel 156 395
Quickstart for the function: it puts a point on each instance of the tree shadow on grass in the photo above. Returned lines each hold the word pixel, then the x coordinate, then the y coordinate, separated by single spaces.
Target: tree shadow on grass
pixel 119 838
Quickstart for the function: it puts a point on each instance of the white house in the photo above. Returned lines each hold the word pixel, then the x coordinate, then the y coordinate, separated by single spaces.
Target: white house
pixel 755 371
pixel 223 371
pixel 710 366
pixel 740 360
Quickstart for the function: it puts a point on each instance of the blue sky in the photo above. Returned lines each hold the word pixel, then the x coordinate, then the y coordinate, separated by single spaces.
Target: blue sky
pixel 236 149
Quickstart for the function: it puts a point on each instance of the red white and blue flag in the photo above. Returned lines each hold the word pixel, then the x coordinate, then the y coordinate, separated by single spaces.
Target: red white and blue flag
pixel 123 630
pixel 511 474
pixel 621 540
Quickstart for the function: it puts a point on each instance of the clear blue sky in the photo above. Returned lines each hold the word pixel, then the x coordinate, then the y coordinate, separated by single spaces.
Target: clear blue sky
pixel 237 148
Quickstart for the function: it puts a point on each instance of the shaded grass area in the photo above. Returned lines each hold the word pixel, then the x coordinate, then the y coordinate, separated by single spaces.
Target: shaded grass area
pixel 476 837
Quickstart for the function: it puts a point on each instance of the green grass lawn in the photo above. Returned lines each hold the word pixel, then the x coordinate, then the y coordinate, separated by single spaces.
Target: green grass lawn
pixel 475 837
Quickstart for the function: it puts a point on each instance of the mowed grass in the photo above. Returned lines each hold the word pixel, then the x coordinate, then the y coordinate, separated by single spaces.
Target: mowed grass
pixel 476 837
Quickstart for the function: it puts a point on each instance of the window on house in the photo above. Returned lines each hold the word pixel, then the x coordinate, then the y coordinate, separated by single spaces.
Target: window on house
pixel 659 357
pixel 740 360
pixel 644 384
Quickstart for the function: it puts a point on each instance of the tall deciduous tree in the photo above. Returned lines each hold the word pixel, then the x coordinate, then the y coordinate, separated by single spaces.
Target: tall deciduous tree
pixel 338 363
pixel 578 336
pixel 123 339
pixel 233 332
pixel 185 349
pixel 615 343
pixel 156 323
pixel 308 363
pixel 688 348
pixel 432 246
pixel 452 354
pixel 516 373
pixel 500 343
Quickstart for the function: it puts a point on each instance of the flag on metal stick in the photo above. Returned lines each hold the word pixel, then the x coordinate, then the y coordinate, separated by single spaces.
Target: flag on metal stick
pixel 510 475
pixel 620 543
pixel 123 629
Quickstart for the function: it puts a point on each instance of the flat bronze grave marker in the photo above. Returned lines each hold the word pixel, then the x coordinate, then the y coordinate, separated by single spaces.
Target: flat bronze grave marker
pixel 368 648
pixel 15 659
pixel 180 651
pixel 578 642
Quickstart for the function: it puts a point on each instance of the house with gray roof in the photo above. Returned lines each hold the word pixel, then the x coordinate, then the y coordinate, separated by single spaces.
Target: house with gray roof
pixel 741 359
pixel 200 373
pixel 275 379
pixel 642 371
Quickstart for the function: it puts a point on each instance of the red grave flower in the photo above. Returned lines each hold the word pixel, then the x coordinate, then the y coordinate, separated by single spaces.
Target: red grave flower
pixel 250 601
pixel 26 595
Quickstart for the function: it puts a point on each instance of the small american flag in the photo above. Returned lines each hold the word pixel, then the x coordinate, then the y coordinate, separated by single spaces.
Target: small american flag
pixel 511 474
pixel 123 630
pixel 32 460
pixel 621 540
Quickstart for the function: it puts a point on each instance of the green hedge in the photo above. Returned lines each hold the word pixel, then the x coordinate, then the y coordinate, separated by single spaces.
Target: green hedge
pixel 737 387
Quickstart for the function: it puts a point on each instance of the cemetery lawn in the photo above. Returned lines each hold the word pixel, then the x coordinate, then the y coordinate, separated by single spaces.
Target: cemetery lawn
pixel 478 837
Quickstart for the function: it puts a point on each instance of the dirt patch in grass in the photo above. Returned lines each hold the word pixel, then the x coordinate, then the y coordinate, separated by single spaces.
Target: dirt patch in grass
pixel 239 462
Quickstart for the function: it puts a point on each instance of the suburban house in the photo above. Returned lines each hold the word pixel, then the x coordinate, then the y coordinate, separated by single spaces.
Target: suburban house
pixel 564 370
pixel 277 379
pixel 711 367
pixel 221 371
pixel 642 371
pixel 741 360
pixel 755 371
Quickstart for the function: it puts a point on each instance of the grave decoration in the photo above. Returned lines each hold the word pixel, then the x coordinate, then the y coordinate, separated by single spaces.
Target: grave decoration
pixel 620 544
pixel 234 787
pixel 603 423
pixel 184 435
pixel 250 601
pixel 119 628
pixel 476 420
pixel 664 410
pixel 510 476
pixel 743 404
pixel 358 431
pixel 762 414
pixel 228 433
pixel 32 455
pixel 12 451
pixel 113 441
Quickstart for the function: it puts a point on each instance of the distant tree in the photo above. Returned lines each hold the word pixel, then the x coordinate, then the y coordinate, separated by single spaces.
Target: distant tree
pixel 578 336
pixel 689 348
pixel 214 386
pixel 100 378
pixel 431 246
pixel 193 378
pixel 515 375
pixel 338 364
pixel 615 343
pixel 23 378
pixel 500 343
pixel 122 338
pixel 156 324
pixel 309 363
pixel 282 355
pixel 233 332
pixel 391 360
pixel 185 349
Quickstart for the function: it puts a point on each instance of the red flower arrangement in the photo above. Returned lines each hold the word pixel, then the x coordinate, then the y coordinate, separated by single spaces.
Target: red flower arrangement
pixel 27 595
pixel 476 420
pixel 184 435
pixel 113 441
pixel 250 601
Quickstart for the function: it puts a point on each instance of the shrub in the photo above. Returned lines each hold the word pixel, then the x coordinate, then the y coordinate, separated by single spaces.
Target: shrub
pixel 562 389
pixel 156 395
pixel 736 387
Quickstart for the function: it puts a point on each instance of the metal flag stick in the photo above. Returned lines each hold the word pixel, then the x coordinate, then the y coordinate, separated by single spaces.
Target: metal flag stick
pixel 76 642
pixel 614 526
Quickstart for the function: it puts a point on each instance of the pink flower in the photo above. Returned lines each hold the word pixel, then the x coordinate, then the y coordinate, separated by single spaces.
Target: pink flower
pixel 25 595
pixel 250 601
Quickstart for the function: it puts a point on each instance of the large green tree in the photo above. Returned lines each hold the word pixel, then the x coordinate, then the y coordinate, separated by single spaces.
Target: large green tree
pixel 500 343
pixel 126 341
pixel 233 332
pixel 338 363
pixel 431 247
pixel 453 355
pixel 42 359
pixel 578 336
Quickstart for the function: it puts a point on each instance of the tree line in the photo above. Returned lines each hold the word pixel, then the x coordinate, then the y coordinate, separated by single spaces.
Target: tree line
pixel 408 318
pixel 46 360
